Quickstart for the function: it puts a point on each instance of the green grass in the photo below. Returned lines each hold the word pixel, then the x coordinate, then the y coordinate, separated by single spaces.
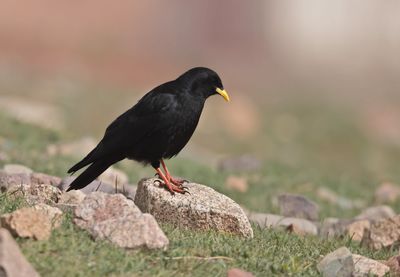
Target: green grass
pixel 331 151
pixel 71 252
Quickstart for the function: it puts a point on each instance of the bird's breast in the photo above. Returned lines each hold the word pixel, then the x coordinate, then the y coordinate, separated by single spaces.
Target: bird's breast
pixel 182 129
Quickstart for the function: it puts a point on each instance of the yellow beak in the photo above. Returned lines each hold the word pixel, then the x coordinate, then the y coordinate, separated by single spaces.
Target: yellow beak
pixel 223 93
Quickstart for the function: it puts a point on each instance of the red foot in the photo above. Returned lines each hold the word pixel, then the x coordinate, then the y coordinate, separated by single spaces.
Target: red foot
pixel 177 182
pixel 170 185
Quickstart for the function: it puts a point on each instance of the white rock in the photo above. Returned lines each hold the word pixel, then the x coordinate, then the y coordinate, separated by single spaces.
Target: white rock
pixel 364 266
pixel 264 220
pixel 115 218
pixel 376 213
pixel 202 209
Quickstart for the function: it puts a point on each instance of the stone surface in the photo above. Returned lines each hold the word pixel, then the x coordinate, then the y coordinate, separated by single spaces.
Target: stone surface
pixel 295 229
pixel 264 220
pixel 356 229
pixel 17 169
pixel 364 266
pixel 394 264
pixel 237 183
pixel 115 218
pixel 114 176
pixel 302 226
pixel 334 227
pixel 387 193
pixel 41 178
pixel 11 180
pixel 202 209
pixel 297 206
pixel 125 189
pixel 236 272
pixel 12 261
pixel 337 263
pixel 298 226
pixel 54 214
pixel 73 198
pixel 35 194
pixel 376 213
pixel 383 233
pixel 34 222
pixel 241 163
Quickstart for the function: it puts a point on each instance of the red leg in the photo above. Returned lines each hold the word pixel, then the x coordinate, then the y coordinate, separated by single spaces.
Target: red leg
pixel 172 189
pixel 176 182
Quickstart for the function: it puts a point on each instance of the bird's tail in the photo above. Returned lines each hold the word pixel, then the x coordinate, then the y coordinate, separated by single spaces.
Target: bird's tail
pixel 84 162
pixel 90 173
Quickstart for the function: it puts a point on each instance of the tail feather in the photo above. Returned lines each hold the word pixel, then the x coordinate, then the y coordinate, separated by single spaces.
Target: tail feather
pixel 84 162
pixel 91 173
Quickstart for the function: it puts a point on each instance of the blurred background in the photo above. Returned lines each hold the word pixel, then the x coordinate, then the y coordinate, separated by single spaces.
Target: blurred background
pixel 314 84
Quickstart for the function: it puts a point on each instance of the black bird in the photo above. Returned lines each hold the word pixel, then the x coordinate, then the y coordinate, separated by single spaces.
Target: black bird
pixel 156 128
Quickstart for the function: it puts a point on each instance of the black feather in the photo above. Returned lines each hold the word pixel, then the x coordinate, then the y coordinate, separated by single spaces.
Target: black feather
pixel 91 173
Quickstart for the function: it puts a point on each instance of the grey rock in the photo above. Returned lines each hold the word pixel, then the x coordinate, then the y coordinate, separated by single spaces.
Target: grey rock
pixel 264 220
pixel 301 225
pixel 70 200
pixel 376 213
pixel 334 227
pixel 41 178
pixel 93 186
pixel 125 189
pixel 11 180
pixel 295 225
pixel 33 222
pixel 17 169
pixel 115 218
pixel 114 176
pixel 297 206
pixel 12 261
pixel 241 163
pixel 338 263
pixel 202 209
pixel 35 194
pixel 383 233
pixel 364 266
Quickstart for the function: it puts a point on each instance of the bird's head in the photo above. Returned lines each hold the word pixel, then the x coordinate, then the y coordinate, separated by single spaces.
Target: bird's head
pixel 203 82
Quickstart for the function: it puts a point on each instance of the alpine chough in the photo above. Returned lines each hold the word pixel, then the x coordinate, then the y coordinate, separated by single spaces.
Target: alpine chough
pixel 156 128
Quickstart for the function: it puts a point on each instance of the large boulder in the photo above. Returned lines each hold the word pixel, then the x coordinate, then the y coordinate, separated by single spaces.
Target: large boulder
pixel 202 209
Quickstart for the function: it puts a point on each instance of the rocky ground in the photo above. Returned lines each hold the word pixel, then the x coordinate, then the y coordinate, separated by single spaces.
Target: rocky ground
pixel 245 216
pixel 129 218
